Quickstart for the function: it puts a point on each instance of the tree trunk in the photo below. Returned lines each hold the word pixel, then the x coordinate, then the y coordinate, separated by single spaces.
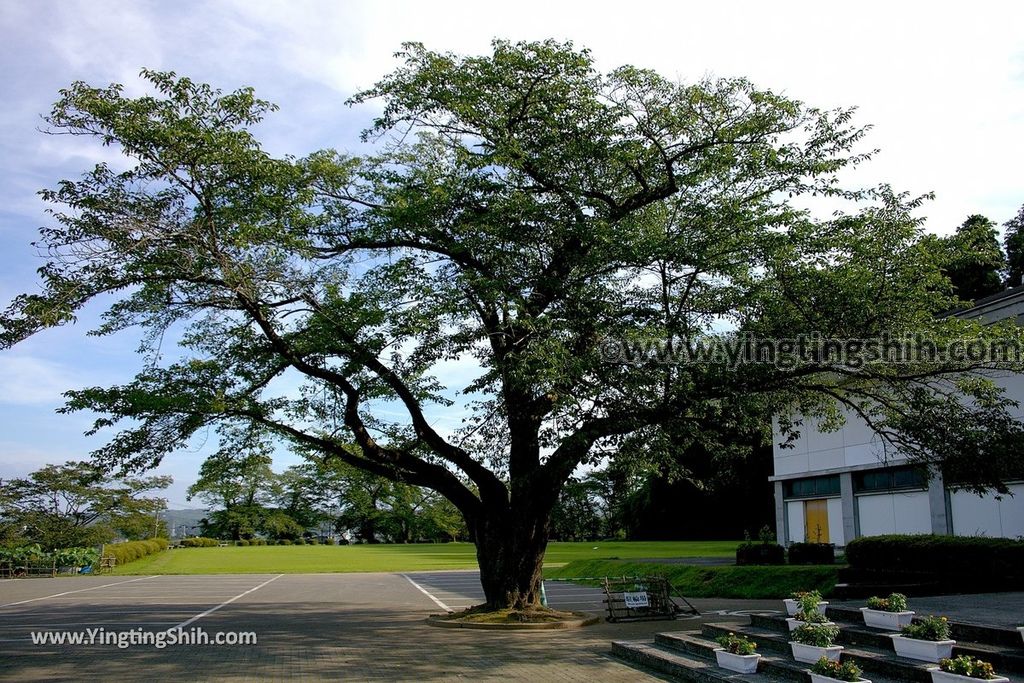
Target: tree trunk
pixel 510 547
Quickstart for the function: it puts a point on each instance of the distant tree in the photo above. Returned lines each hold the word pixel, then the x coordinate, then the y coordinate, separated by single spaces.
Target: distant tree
pixel 278 524
pixel 976 261
pixel 1013 241
pixel 239 482
pixel 580 513
pixel 302 492
pixel 76 504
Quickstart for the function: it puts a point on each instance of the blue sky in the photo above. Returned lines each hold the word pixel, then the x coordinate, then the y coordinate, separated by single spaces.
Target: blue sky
pixel 943 87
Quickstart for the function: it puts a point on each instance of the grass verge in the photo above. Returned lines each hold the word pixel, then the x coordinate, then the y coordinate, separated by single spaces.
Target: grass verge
pixel 710 582
pixel 309 559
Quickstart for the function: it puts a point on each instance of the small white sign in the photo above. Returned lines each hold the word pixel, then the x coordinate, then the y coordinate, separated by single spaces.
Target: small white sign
pixel 634 600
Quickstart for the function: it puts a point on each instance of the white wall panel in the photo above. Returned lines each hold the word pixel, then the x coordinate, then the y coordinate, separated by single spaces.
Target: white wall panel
pixel 986 516
pixel 894 513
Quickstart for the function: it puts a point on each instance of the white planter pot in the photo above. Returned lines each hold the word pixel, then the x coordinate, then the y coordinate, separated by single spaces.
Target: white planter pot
pixel 940 676
pixel 794 624
pixel 743 664
pixel 890 621
pixel 923 650
pixel 818 678
pixel 809 654
pixel 793 606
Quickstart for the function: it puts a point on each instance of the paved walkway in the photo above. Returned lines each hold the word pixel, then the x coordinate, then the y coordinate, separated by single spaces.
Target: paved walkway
pixel 310 627
pixel 992 609
pixel 358 627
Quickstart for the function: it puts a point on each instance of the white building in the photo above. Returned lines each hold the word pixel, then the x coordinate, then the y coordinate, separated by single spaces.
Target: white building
pixel 832 487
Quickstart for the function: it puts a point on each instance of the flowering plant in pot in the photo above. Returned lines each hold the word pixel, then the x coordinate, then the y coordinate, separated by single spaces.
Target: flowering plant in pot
pixel 737 654
pixel 794 602
pixel 926 640
pixel 889 613
pixel 826 670
pixel 811 642
pixel 965 668
pixel 812 611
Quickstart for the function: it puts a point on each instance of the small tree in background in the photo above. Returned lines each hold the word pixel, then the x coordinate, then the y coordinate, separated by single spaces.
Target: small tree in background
pixel 78 504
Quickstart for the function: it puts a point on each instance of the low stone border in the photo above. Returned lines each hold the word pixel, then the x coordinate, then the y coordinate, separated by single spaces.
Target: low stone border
pixel 585 620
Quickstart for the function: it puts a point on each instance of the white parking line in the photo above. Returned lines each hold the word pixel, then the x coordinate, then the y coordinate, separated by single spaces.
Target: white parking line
pixel 82 590
pixel 223 604
pixel 423 590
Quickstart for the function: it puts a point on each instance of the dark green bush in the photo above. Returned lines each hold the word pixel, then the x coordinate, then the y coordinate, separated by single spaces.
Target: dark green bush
pixel 284 541
pixel 199 542
pixel 940 555
pixel 243 543
pixel 812 553
pixel 760 553
pixel 134 550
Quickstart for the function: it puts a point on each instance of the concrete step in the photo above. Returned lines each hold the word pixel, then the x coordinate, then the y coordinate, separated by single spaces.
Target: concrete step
pixel 774 663
pixel 965 631
pixel 1008 658
pixel 680 665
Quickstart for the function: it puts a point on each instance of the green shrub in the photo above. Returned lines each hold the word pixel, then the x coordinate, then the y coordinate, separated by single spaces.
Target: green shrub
pixel 284 541
pixel 928 628
pixel 812 553
pixel 737 645
pixel 818 635
pixel 766 551
pixel 134 550
pixel 313 541
pixel 965 665
pixel 243 543
pixel 300 541
pixel 199 542
pixel 896 602
pixel 941 555
pixel 809 608
pixel 841 671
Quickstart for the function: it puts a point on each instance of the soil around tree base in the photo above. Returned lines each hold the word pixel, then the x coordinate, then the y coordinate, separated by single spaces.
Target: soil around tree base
pixel 511 619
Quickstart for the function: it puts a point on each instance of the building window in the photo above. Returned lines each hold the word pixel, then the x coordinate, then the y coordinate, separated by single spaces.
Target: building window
pixel 890 479
pixel 812 487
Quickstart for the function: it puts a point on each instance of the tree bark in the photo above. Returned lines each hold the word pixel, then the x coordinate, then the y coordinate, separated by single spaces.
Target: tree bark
pixel 510 546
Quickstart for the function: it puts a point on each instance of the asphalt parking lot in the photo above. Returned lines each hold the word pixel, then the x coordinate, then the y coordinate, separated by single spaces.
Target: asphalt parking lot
pixel 306 626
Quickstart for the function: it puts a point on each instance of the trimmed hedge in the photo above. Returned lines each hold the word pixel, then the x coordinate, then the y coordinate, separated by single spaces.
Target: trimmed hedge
pixel 812 553
pixel 938 555
pixel 760 554
pixel 199 542
pixel 133 550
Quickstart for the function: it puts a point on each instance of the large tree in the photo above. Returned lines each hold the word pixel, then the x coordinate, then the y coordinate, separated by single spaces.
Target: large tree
pixel 78 504
pixel 524 213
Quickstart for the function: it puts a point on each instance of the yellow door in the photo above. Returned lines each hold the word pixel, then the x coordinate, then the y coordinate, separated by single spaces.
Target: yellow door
pixel 816 521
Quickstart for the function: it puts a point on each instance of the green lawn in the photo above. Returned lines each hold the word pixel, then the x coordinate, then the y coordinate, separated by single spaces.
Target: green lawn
pixel 392 558
pixel 711 582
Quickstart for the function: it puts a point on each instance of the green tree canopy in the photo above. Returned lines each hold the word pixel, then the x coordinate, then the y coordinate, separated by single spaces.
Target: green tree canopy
pixel 1013 241
pixel 975 262
pixel 78 504
pixel 524 213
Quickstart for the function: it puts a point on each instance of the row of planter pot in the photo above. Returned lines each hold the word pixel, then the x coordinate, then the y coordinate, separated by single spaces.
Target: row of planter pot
pixel 810 654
